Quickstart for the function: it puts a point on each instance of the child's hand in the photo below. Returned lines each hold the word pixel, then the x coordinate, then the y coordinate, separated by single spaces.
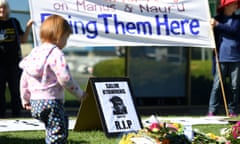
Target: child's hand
pixel 84 96
pixel 27 106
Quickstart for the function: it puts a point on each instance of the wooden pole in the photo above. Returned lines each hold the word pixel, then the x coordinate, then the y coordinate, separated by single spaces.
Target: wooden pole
pixel 221 82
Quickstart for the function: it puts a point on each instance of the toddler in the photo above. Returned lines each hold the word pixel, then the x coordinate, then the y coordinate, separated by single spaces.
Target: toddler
pixel 44 78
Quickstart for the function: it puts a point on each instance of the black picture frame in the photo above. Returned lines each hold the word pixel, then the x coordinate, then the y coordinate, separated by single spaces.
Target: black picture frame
pixel 116 106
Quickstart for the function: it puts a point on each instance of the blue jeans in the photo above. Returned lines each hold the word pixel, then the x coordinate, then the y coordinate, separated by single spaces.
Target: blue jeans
pixel 231 70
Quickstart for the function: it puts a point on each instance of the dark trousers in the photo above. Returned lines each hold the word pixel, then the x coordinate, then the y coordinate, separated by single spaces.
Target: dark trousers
pixel 10 76
pixel 52 114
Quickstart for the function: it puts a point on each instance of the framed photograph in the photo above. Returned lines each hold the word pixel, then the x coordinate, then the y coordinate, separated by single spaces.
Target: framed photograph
pixel 116 105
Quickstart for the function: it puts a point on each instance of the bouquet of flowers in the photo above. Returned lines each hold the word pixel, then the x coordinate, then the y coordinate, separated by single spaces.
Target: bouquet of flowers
pixel 159 133
pixel 173 133
pixel 232 133
pixel 228 135
pixel 167 132
pixel 208 138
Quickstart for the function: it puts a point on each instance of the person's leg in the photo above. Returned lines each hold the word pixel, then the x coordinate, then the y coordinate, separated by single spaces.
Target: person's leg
pixel 233 98
pixel 57 125
pixel 40 111
pixel 51 113
pixel 2 92
pixel 214 100
pixel 13 79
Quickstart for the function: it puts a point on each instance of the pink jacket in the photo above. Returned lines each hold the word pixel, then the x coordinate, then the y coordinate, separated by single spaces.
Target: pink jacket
pixel 46 74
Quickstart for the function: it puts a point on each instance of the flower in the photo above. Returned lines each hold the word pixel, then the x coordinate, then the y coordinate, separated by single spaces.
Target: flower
pixel 202 138
pixel 154 127
pixel 162 133
pixel 236 130
pixel 228 135
pixel 173 133
pixel 212 136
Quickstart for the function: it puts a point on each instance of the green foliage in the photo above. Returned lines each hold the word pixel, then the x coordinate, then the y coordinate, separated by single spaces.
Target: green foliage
pixel 7 95
pixel 201 81
pixel 110 68
pixel 201 69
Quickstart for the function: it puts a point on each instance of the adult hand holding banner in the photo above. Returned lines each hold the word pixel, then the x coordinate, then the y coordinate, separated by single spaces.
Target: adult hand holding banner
pixel 130 22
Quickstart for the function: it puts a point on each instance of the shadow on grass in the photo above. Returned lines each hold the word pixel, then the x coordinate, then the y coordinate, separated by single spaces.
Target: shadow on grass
pixel 11 140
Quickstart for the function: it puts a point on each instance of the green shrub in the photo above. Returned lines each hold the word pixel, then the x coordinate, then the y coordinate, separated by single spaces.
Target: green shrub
pixel 110 68
pixel 201 81
pixel 201 69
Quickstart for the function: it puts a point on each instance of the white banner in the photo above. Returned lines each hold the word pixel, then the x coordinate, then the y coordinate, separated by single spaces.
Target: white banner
pixel 130 22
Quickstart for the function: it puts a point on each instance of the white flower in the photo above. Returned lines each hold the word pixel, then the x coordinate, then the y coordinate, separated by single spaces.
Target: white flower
pixel 225 131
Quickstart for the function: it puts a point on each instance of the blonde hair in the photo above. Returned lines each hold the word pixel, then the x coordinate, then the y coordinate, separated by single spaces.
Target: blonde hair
pixel 53 28
pixel 5 3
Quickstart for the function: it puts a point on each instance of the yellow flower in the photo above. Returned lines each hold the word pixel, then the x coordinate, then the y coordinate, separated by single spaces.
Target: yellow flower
pixel 212 136
pixel 126 139
pixel 177 125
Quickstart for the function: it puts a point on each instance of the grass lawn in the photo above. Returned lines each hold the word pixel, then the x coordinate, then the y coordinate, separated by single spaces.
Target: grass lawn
pixel 37 137
pixel 83 137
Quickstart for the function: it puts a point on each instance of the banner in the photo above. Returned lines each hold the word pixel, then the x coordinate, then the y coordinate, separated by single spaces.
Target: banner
pixel 130 22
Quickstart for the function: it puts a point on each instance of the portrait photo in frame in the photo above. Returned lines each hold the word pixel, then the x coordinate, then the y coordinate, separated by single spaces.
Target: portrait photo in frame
pixel 115 106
